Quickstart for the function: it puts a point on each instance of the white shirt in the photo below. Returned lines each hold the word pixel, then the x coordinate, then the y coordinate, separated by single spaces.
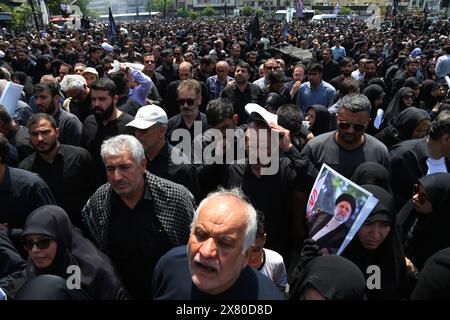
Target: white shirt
pixel 274 269
pixel 435 166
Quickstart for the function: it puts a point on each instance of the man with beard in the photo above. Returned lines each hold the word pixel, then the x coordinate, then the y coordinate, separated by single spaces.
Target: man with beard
pixel 69 171
pixel 316 90
pixel 189 99
pixel 106 121
pixel 276 185
pixel 47 101
pixel 346 70
pixel 347 147
pixel 242 92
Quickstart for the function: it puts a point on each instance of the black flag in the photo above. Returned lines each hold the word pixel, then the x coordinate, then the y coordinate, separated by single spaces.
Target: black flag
pixel 112 27
pixel 253 29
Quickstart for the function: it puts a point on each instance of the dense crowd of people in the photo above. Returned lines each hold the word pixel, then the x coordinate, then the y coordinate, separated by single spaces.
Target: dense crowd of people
pixel 131 166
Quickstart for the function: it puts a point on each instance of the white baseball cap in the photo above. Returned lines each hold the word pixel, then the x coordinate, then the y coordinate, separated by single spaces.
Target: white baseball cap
pixel 257 112
pixel 90 70
pixel 148 116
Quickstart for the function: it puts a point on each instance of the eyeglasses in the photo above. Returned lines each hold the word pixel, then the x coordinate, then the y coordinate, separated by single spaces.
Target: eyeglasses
pixel 408 97
pixel 344 125
pixel 190 102
pixel 422 197
pixel 41 244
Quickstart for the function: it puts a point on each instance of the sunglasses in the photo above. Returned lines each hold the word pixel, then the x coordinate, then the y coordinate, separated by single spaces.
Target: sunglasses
pixel 408 97
pixel 149 62
pixel 41 244
pixel 344 125
pixel 190 102
pixel 422 196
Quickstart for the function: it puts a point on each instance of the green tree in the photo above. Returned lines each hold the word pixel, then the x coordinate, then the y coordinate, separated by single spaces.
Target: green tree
pixel 194 15
pixel 317 11
pixel 182 12
pixel 346 11
pixel 247 11
pixel 4 8
pixel 157 5
pixel 261 12
pixel 22 15
pixel 208 11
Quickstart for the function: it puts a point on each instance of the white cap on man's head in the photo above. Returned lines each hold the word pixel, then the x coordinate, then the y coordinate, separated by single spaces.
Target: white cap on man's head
pixel 148 116
pixel 256 112
pixel 90 70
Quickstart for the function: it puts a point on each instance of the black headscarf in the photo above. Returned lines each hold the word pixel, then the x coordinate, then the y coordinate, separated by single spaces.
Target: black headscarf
pixel 322 122
pixel 428 75
pixel 378 81
pixel 40 69
pixel 434 279
pixel 389 256
pixel 429 232
pixel 396 105
pixel 98 277
pixel 334 277
pixel 373 92
pixel 372 173
pixel 402 127
pixel 412 82
pixel 427 101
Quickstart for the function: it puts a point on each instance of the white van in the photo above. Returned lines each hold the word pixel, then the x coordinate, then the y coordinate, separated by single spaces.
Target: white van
pixel 324 17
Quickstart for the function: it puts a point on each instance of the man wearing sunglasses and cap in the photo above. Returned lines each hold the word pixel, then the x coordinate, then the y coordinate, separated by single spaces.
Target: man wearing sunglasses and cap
pixel 349 146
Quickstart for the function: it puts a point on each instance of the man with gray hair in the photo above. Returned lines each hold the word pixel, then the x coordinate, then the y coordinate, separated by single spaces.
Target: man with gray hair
pixel 349 146
pixel 214 265
pixel 79 99
pixel 136 217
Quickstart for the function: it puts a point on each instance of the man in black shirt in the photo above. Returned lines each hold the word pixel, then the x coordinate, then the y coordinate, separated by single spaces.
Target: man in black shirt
pixel 168 69
pixel 171 105
pixel 79 101
pixel 47 101
pixel 189 99
pixel 163 160
pixel 16 134
pixel 242 92
pixel 136 217
pixel 346 65
pixel 20 192
pixel 159 81
pixel 331 68
pixel 279 188
pixel 124 103
pixel 69 171
pixel 107 120
pixel 214 265
pixel 205 68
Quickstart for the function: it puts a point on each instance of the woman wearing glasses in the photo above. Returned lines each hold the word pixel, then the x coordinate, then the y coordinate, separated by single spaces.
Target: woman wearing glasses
pixel 56 248
pixel 403 99
pixel 425 220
